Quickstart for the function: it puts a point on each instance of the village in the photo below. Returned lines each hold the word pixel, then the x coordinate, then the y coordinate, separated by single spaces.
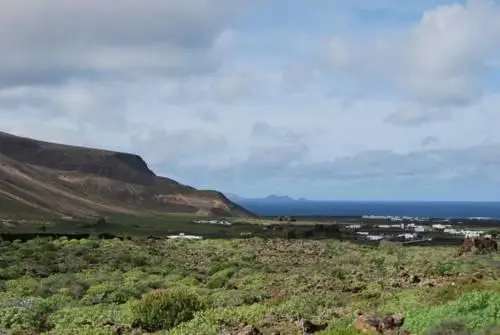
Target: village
pixel 374 228
pixel 412 231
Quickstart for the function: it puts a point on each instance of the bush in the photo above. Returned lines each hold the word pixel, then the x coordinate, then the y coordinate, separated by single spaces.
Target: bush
pixel 450 328
pixel 208 322
pixel 220 279
pixel 165 309
pixel 494 232
pixel 291 234
pixel 475 310
pixel 25 315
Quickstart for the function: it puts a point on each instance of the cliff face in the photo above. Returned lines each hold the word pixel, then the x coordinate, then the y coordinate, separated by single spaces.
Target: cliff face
pixel 77 181
pixel 115 165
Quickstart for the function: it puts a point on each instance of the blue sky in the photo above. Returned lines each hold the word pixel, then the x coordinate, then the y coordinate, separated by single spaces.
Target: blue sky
pixel 324 99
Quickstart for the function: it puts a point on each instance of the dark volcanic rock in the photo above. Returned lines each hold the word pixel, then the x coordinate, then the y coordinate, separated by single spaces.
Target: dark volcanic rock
pixel 386 324
pixel 242 329
pixel 115 165
pixel 479 245
pixel 307 327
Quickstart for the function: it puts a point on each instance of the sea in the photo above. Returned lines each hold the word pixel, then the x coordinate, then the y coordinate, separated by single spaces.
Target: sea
pixel 451 210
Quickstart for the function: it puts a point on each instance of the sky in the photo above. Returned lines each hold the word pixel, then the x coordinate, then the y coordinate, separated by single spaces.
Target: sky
pixel 322 99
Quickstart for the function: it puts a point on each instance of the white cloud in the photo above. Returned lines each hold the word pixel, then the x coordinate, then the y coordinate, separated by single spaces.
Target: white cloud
pixel 59 39
pixel 340 54
pixel 449 50
pixel 423 168
pixel 277 156
pixel 176 147
pixel 226 106
pixel 441 60
pixel 265 131
pixel 207 115
pixel 416 115
pixel 430 141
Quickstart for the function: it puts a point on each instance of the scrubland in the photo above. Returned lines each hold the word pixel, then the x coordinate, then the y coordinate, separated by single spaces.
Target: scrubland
pixel 137 286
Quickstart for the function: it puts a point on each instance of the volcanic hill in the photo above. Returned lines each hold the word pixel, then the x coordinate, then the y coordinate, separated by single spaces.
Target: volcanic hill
pixel 76 181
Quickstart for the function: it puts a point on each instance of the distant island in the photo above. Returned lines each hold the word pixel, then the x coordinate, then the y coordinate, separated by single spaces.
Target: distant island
pixel 269 198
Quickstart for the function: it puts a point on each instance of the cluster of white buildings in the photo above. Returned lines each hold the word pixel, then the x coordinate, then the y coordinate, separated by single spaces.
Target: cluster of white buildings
pixel 409 226
pixel 217 222
pixel 413 230
pixel 448 229
pixel 370 237
pixel 184 236
pixel 466 233
pixel 395 218
pixel 367 236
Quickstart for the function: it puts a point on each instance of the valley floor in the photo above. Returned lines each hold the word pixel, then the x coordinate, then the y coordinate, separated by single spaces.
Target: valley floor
pixel 135 286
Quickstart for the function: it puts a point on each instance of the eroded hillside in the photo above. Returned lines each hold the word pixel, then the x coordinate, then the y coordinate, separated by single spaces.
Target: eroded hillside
pixel 69 180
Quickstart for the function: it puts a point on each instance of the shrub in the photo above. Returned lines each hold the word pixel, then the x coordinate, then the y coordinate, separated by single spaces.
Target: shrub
pixel 25 315
pixel 450 328
pixel 476 310
pixel 221 278
pixel 165 309
pixel 308 233
pixel 391 247
pixel 343 331
pixel 291 234
pixel 442 268
pixel 78 317
pixel 99 223
pixel 208 322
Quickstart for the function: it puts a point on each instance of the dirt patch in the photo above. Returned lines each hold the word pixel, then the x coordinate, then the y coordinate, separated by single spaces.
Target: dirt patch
pixel 406 279
pixel 242 329
pixel 385 324
pixel 307 327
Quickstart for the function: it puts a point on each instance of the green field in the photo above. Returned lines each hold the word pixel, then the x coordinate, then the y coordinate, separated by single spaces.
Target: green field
pixel 166 286
pixel 128 226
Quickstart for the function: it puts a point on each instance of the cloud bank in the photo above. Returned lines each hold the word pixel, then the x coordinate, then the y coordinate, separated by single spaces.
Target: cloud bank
pixel 337 100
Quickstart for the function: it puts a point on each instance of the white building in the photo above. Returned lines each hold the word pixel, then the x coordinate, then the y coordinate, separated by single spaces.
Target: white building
pixel 422 229
pixel 184 236
pixel 408 236
pixel 353 226
pixel 472 233
pixel 466 233
pixel 374 237
pixel 440 226
pixel 218 222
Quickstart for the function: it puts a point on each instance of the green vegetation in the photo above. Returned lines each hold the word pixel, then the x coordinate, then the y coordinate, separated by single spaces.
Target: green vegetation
pixel 92 286
pixel 120 225
pixel 165 309
pixel 128 226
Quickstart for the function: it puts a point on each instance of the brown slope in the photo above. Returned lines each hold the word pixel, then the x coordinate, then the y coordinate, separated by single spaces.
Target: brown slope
pixel 39 190
pixel 78 181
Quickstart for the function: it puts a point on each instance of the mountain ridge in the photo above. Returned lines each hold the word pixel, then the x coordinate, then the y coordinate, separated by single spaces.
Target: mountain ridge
pixel 81 181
